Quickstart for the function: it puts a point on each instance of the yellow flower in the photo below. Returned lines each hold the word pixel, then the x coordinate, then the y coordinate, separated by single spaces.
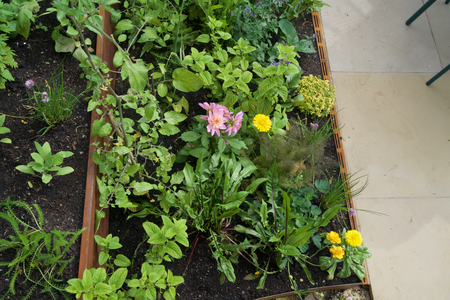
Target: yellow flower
pixel 262 122
pixel 338 252
pixel 334 237
pixel 353 238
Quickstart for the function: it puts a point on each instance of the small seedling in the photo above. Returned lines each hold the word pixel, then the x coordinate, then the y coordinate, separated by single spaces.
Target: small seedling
pixel 44 162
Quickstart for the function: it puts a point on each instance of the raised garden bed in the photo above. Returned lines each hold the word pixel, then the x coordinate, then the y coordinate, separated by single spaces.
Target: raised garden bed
pixel 201 279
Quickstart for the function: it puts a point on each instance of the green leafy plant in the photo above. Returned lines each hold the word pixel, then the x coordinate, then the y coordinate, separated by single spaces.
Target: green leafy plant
pixel 291 38
pixel 227 73
pixel 257 23
pixel 154 280
pixel 44 163
pixel 16 18
pixel 274 230
pixel 7 60
pixel 51 103
pixel 4 130
pixel 40 255
pixel 347 249
pixel 308 6
pixel 318 96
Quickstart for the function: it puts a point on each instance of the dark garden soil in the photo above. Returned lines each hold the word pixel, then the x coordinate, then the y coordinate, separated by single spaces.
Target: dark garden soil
pixel 62 199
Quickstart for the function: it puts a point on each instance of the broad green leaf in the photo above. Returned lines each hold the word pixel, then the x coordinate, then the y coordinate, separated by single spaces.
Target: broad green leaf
pixel 203 38
pixel 38 158
pixel 173 117
pixel 246 76
pixel 173 249
pixel 289 250
pixel 148 34
pixel 157 238
pixel 359 271
pixel 189 175
pixel 162 89
pixel 190 136
pixel 64 171
pixel 170 293
pixel 118 278
pixel 118 59
pixel 23 21
pixel 105 130
pixel 345 272
pixel 122 38
pixel 150 228
pixel 46 178
pixel 227 268
pixel 102 258
pixel 168 129
pixel 86 280
pixel 186 81
pixel 136 72
pixel 122 261
pixel 71 31
pixel 124 25
pixel 103 289
pixel 25 169
pixel 141 187
pixel 64 44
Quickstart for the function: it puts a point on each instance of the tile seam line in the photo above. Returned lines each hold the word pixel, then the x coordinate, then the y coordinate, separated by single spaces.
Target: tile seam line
pixel 434 39
pixel 402 198
pixel 390 73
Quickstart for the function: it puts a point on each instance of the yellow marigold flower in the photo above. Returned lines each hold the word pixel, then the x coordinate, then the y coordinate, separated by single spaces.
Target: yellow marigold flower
pixel 353 238
pixel 334 237
pixel 262 122
pixel 338 252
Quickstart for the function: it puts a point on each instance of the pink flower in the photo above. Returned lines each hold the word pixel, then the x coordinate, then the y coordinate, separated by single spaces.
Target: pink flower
pixel 45 98
pixel 213 106
pixel 234 123
pixel 216 122
pixel 29 84
pixel 314 126
pixel 351 212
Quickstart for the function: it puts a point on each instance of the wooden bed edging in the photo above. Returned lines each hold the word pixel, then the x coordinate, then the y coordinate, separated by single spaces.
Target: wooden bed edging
pixel 89 250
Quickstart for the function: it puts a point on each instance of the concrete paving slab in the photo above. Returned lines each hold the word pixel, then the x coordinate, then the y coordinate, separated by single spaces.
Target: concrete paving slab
pixel 409 247
pixel 397 130
pixel 438 16
pixel 371 36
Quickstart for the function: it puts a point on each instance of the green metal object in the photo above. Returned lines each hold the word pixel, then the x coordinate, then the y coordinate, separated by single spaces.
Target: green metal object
pixel 421 10
pixel 438 74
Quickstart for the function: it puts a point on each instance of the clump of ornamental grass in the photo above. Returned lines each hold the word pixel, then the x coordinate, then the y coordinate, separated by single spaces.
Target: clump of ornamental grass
pixel 318 96
pixel 299 154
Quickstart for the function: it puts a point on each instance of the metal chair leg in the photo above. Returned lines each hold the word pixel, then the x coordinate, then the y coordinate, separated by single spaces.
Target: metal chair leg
pixel 421 10
pixel 438 74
